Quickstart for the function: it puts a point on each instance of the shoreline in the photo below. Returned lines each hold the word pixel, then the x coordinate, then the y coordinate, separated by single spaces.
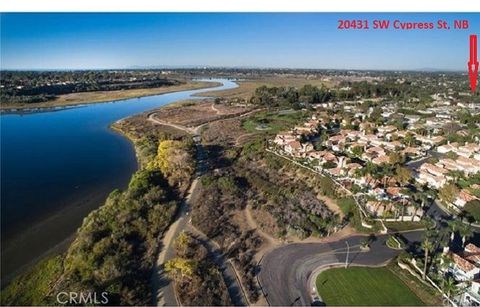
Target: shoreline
pixel 39 235
pixel 53 106
pixel 87 205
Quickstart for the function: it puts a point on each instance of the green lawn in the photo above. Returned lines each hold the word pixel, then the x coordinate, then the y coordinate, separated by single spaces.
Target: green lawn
pixel 364 287
pixel 275 121
pixel 403 226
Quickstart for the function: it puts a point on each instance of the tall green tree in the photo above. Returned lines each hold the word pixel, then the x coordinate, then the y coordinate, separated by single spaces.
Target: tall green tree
pixel 427 246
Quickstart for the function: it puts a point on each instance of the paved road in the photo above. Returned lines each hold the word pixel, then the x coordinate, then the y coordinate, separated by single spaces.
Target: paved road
pixel 164 294
pixel 162 285
pixel 228 272
pixel 414 165
pixel 284 272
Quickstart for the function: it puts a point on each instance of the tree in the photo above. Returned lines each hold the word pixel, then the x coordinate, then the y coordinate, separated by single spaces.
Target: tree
pixel 448 193
pixel 445 261
pixel 357 151
pixel 400 206
pixel 472 208
pixel 427 246
pixel 396 158
pixel 454 226
pixel 376 115
pixel 403 175
pixel 182 242
pixel 455 175
pixel 449 287
pixel 409 139
pixel 179 268
pixel 418 199
pixel 465 232
pixel 329 164
pixel 174 160
pixel 451 155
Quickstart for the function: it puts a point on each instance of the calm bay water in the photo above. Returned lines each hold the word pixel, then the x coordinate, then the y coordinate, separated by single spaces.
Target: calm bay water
pixel 57 166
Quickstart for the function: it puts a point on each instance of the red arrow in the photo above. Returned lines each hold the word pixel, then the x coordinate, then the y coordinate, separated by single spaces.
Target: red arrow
pixel 473 63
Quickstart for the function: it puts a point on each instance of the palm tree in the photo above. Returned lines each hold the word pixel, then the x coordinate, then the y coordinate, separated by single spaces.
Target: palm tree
pixel 465 232
pixel 444 262
pixel 427 246
pixel 449 287
pixel 423 198
pixel 418 200
pixel 455 175
pixel 454 226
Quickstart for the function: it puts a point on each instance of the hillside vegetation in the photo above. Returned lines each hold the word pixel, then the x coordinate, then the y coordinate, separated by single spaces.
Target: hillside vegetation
pixel 198 280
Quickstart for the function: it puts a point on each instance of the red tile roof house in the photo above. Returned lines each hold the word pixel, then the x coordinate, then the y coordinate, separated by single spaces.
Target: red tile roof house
pixel 335 172
pixel 330 157
pixel 394 192
pixel 381 160
pixel 432 175
pixel 447 148
pixel 383 130
pixel 378 208
pixel 316 155
pixel 411 151
pixel 468 150
pixel 352 168
pixel 463 198
pixel 465 268
pixel 424 177
pixel 283 139
pixel 450 165
pixel 433 169
pixel 472 253
pixel 471 166
pixel 372 153
pixel 297 149
pixel 434 140
pixel 392 145
pixel 306 148
pixel 462 269
pixel 336 141
pixel 293 147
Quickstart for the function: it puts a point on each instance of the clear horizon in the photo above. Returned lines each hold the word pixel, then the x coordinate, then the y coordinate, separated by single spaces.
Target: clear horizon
pixel 75 41
pixel 200 67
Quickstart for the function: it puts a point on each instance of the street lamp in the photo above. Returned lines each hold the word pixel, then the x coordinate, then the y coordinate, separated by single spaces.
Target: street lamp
pixel 348 251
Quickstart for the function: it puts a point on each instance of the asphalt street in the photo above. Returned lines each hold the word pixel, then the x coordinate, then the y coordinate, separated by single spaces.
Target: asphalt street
pixel 284 272
pixel 164 294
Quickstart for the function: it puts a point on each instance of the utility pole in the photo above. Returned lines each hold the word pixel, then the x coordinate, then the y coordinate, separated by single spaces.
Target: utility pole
pixel 348 251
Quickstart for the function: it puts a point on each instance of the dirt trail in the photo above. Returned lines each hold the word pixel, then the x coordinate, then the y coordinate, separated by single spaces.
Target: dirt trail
pixel 331 204
pixel 253 224
pixel 151 117
pixel 217 111
pixel 237 141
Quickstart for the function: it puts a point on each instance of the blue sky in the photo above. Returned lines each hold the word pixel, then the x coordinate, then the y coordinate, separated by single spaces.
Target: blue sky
pixel 296 40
